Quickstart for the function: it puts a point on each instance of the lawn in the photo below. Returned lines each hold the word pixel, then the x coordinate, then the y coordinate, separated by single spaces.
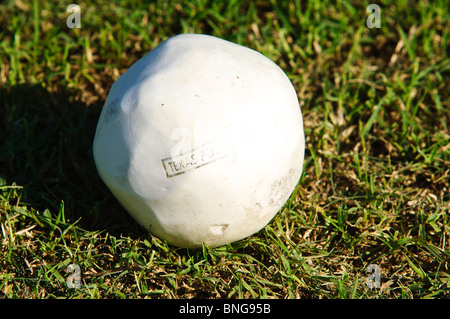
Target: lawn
pixel 370 217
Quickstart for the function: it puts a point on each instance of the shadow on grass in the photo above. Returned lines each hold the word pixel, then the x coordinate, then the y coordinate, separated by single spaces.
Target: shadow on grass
pixel 46 147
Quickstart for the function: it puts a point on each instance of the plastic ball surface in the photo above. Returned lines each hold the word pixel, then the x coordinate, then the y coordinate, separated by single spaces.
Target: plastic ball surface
pixel 201 140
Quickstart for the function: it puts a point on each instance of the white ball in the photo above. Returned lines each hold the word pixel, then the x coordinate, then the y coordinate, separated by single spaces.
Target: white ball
pixel 201 140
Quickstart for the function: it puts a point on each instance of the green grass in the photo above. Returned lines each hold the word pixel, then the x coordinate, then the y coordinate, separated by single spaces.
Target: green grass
pixel 376 182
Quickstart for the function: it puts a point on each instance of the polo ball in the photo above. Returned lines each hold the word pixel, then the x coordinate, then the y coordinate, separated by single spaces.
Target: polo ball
pixel 201 141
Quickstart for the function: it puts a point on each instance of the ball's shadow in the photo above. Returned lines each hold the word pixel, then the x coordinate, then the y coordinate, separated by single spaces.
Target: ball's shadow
pixel 46 147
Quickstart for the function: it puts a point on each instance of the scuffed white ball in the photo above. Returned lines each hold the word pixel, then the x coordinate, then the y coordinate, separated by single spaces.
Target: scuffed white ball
pixel 201 140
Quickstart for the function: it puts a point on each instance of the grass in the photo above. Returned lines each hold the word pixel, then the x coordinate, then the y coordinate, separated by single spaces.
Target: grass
pixel 376 182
